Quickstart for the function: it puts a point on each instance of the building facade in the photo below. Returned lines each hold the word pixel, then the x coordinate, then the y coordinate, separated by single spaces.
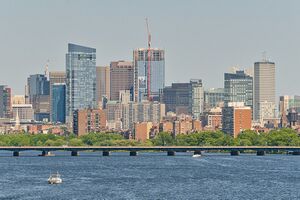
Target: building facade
pixel 58 103
pixel 196 98
pixel 142 59
pixel 264 90
pixel 5 102
pixel 80 79
pixel 213 97
pixel 102 84
pixel 121 78
pixel 55 77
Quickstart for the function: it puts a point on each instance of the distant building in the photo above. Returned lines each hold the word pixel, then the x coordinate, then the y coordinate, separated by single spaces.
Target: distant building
pixel 5 102
pixel 236 118
pixel 55 77
pixel 88 121
pixel 18 99
pixel 121 78
pixel 80 79
pixel 142 131
pixel 141 60
pixel 102 83
pixel 38 95
pixel 25 112
pixel 176 98
pixel 213 97
pixel 238 87
pixel 264 90
pixel 196 98
pixel 58 103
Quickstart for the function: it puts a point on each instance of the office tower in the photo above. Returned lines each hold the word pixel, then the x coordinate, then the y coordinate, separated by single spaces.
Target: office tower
pixel 157 73
pixel 213 97
pixel 5 102
pixel 102 83
pixel 124 96
pixel 238 87
pixel 176 98
pixel 264 91
pixel 236 117
pixel 80 79
pixel 196 98
pixel 55 77
pixel 288 105
pixel 58 102
pixel 38 91
pixel 89 121
pixel 121 78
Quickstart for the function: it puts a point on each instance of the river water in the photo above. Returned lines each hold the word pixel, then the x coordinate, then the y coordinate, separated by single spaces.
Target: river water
pixel 150 176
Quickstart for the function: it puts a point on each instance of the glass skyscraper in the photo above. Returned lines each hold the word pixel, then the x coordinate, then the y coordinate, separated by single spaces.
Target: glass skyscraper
pixel 157 72
pixel 80 79
pixel 238 88
pixel 58 102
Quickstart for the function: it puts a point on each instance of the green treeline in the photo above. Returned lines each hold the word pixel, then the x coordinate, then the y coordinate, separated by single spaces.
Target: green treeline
pixel 281 137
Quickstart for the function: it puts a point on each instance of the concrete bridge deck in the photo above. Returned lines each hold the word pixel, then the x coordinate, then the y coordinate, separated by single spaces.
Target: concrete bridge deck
pixel 235 150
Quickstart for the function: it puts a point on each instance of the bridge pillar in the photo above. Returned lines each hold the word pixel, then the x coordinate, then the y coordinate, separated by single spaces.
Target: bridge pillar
pixel 235 153
pixel 74 153
pixel 261 153
pixel 16 153
pixel 197 153
pixel 133 153
pixel 45 153
pixel 171 153
pixel 105 153
pixel 296 153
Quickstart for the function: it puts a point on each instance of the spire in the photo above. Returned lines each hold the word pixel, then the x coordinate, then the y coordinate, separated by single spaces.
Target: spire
pixel 17 125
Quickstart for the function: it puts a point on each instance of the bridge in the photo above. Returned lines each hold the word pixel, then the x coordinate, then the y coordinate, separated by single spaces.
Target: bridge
pixel 133 150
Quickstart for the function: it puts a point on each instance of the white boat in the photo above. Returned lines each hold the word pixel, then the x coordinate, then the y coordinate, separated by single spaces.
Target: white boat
pixel 54 179
pixel 196 156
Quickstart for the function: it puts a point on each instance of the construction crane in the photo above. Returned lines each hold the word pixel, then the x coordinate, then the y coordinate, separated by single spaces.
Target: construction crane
pixel 148 62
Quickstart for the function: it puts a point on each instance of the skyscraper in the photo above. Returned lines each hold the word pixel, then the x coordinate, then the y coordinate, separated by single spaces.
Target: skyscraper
pixel 213 97
pixel 121 78
pixel 38 91
pixel 238 87
pixel 55 77
pixel 103 83
pixel 58 102
pixel 264 90
pixel 196 98
pixel 157 72
pixel 80 79
pixel 5 102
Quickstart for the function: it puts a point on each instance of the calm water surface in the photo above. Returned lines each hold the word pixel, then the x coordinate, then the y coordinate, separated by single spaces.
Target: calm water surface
pixel 150 176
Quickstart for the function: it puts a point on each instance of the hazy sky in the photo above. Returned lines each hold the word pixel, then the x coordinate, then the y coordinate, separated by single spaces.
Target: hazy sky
pixel 202 39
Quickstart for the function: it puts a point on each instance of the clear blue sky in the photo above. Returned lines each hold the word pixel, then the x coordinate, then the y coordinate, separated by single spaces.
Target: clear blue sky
pixel 202 39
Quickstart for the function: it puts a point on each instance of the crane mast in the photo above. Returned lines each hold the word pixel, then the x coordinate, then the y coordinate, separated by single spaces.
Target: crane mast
pixel 148 62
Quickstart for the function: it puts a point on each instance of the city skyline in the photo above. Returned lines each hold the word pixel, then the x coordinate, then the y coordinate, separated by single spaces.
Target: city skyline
pixel 206 44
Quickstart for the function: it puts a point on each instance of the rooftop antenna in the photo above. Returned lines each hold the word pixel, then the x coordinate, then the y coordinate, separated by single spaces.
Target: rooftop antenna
pixel 47 69
pixel 264 56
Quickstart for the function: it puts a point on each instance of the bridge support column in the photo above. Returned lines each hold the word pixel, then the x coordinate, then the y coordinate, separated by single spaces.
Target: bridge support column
pixel 261 153
pixel 105 153
pixel 296 153
pixel 74 153
pixel 133 153
pixel 171 153
pixel 45 153
pixel 235 153
pixel 16 153
pixel 197 153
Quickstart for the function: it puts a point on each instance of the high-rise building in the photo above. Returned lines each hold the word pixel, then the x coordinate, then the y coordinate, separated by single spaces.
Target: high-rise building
pixel 80 79
pixel 264 91
pixel 102 83
pixel 236 117
pixel 18 99
pixel 213 97
pixel 5 102
pixel 238 87
pixel 25 112
pixel 55 77
pixel 196 98
pixel 157 73
pixel 38 91
pixel 121 78
pixel 58 103
pixel 176 98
